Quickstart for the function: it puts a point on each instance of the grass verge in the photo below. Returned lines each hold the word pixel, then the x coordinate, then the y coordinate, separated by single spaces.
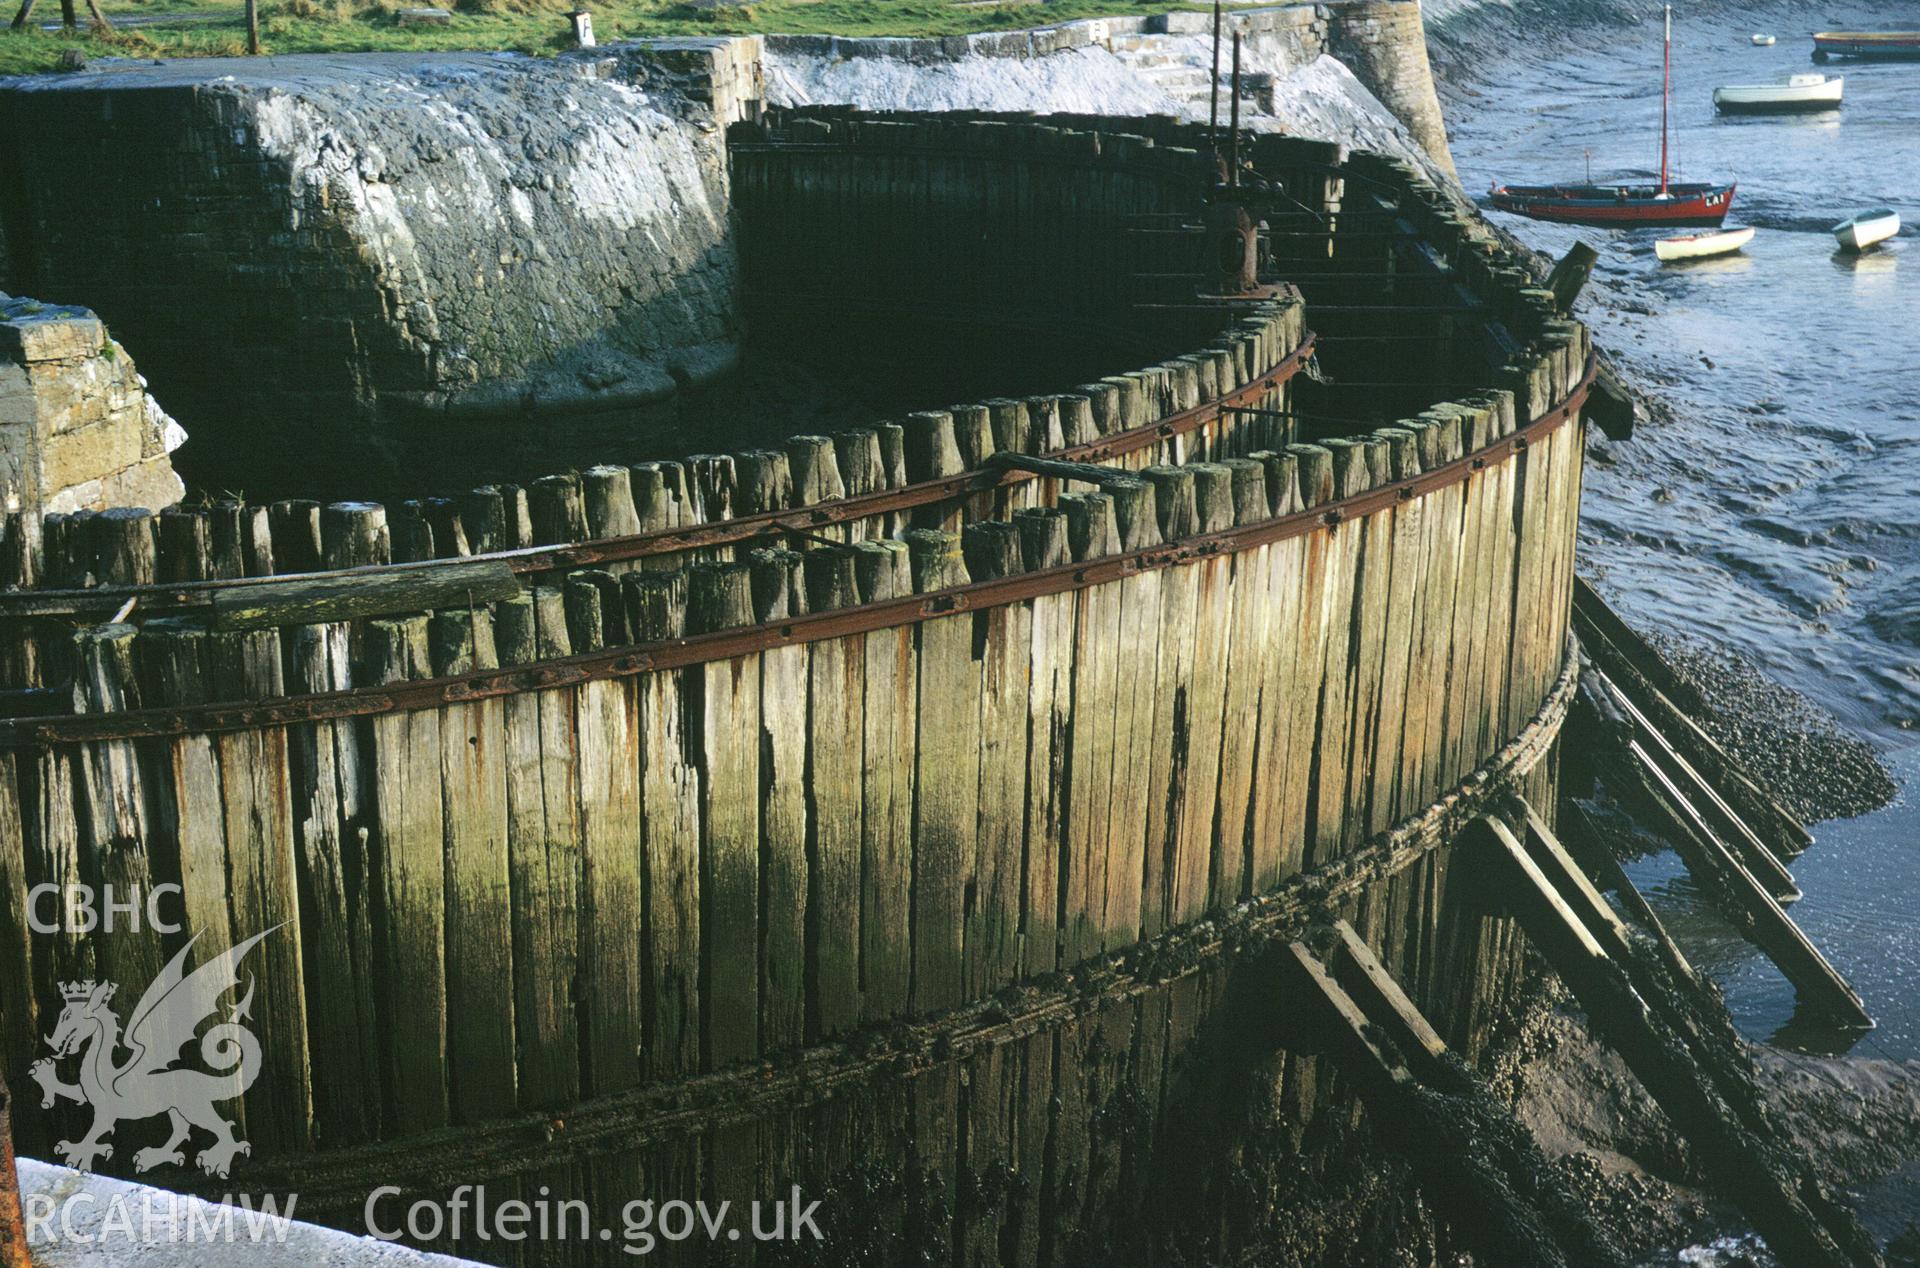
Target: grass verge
pixel 214 28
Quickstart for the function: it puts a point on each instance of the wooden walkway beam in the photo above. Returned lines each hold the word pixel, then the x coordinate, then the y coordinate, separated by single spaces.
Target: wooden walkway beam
pixel 316 600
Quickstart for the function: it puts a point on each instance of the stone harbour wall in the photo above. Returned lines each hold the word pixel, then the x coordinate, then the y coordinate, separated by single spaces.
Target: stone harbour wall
pixel 1353 73
pixel 77 428
pixel 1384 43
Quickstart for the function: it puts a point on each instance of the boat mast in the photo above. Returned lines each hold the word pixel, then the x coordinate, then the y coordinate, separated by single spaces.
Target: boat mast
pixel 1213 112
pixel 1666 91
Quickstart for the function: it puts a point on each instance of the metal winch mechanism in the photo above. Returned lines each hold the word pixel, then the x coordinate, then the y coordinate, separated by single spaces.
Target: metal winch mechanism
pixel 1233 233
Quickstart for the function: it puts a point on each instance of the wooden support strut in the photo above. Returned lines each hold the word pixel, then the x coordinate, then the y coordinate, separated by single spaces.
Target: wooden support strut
pixel 1351 1006
pixel 1799 1224
pixel 1703 809
pixel 1579 829
pixel 1639 674
pixel 1762 919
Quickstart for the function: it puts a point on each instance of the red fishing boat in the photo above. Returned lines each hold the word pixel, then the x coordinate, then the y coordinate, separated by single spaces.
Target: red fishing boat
pixel 1894 44
pixel 1625 204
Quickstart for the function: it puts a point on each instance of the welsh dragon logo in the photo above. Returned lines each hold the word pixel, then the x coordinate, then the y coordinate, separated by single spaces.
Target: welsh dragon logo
pixel 148 1082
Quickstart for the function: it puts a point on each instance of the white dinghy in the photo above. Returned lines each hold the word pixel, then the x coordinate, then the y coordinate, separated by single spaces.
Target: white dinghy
pixel 1794 93
pixel 1699 246
pixel 1763 41
pixel 1867 229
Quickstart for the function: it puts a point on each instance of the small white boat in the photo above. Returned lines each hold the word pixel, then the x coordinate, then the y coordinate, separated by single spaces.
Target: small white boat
pixel 1795 92
pixel 1763 41
pixel 1698 246
pixel 1867 229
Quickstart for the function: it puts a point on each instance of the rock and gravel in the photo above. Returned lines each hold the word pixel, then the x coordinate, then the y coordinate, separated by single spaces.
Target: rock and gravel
pixel 1793 748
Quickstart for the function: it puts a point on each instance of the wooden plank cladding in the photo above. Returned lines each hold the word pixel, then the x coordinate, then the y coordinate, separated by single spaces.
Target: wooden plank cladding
pixel 711 795
pixel 1168 1072
pixel 1039 781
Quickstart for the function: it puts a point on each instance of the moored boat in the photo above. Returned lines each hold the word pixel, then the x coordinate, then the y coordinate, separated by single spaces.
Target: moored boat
pixel 1865 44
pixel 1763 41
pixel 1619 206
pixel 1625 205
pixel 1867 229
pixel 1787 96
pixel 1700 246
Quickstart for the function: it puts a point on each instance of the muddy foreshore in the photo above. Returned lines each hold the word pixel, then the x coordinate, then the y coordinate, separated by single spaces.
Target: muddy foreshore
pixel 1859 1116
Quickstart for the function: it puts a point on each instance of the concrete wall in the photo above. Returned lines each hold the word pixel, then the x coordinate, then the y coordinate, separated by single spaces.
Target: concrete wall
pixel 370 240
pixel 77 429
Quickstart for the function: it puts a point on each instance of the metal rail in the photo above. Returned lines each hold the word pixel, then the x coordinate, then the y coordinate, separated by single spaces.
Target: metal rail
pixel 726 644
pixel 176 597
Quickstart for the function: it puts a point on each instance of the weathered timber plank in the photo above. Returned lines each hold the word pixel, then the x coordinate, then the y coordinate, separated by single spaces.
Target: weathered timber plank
pixel 1442 587
pixel 987 1098
pixel 1068 1144
pixel 336 917
pixel 263 890
pixel 1205 704
pixel 19 1015
pixel 1387 800
pixel 1133 834
pixel 993 918
pixel 1328 797
pixel 473 781
pixel 887 773
pixel 301 602
pixel 1083 860
pixel 543 856
pixel 727 707
pixel 836 704
pixel 935 1100
pixel 611 886
pixel 112 809
pixel 1049 729
pixel 1165 868
pixel 1110 1101
pixel 783 843
pixel 1371 593
pixel 945 807
pixel 1242 730
pixel 1270 817
pixel 1303 700
pixel 409 813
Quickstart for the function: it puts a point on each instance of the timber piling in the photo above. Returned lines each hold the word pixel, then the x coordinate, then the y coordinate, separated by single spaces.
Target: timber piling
pixel 908 813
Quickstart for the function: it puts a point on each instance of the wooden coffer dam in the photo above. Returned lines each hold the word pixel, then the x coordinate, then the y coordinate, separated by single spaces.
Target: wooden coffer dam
pixel 918 815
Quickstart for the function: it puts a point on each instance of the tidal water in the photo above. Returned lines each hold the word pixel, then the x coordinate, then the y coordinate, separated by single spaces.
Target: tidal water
pixel 1773 506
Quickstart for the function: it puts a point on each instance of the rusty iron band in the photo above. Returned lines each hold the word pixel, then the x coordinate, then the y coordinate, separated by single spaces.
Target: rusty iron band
pixel 699 649
pixel 166 597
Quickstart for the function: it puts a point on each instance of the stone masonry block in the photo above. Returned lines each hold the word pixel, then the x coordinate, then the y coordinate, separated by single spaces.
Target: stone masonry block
pixel 87 453
pixel 1184 22
pixel 63 334
pixel 150 483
